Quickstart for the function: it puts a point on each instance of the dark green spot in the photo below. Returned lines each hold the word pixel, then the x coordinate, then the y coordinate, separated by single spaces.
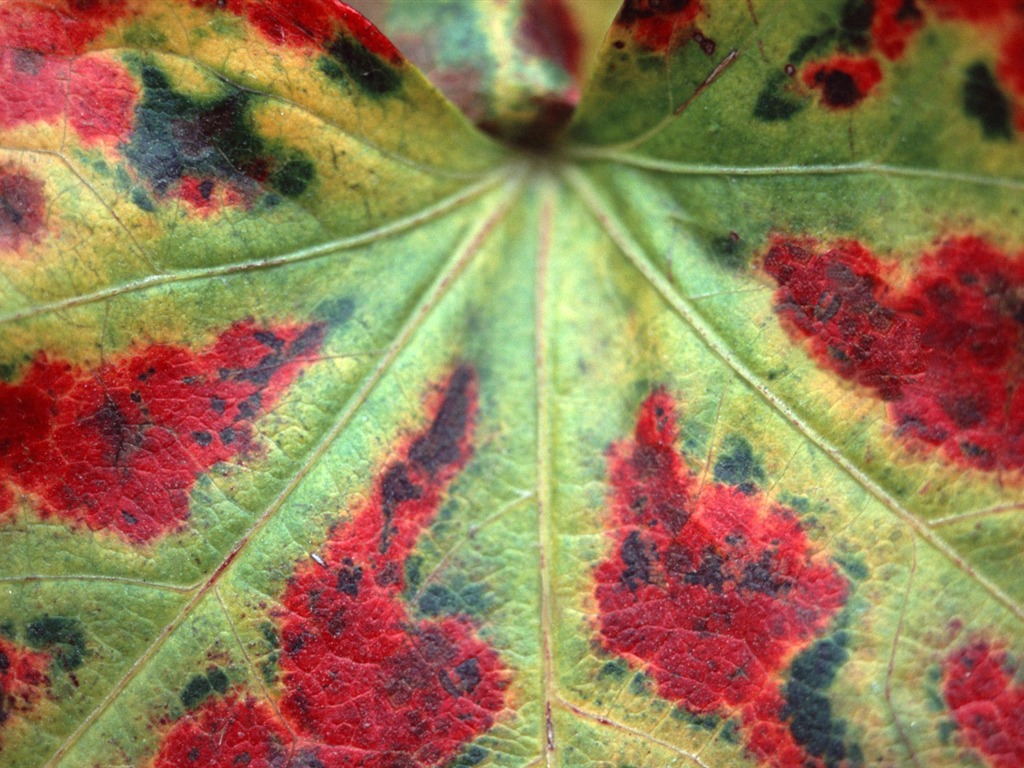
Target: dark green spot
pixel 731 732
pixel 728 251
pixel 414 573
pixel 218 680
pixel 854 567
pixel 986 103
pixel 292 178
pixel 370 73
pixel 196 689
pixel 472 755
pixel 616 670
pixel 337 312
pixel 706 722
pixel 738 466
pixel 811 44
pixel 808 709
pixel 142 200
pixel 946 730
pixel 774 104
pixel 179 135
pixel 461 597
pixel 640 684
pixel 855 23
pixel 59 636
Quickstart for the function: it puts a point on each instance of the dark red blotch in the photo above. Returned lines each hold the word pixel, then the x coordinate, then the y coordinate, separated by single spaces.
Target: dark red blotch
pixel 231 732
pixel 654 24
pixel 308 23
pixel 44 79
pixel 986 699
pixel 843 81
pixel 887 27
pixel 22 208
pixel 944 349
pixel 119 447
pixel 24 680
pixel 365 684
pixel 712 590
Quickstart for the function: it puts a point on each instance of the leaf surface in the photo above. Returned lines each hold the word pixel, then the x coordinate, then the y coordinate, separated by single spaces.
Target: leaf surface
pixel 336 433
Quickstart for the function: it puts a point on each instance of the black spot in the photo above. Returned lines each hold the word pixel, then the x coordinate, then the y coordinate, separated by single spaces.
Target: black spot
pixel 966 411
pixel 855 23
pixel 839 88
pixel 195 690
pixel 227 436
pixel 349 576
pixel 908 11
pixel 637 561
pixel 761 577
pixel 709 572
pixel 441 445
pixel 728 251
pixel 176 135
pixel 370 72
pixel 737 465
pixel 986 103
pixel 61 637
pixel 469 674
pixel 395 488
pixel 5 662
pixel 202 439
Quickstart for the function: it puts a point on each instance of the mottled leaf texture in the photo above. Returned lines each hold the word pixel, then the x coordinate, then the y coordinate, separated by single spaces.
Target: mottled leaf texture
pixel 499 389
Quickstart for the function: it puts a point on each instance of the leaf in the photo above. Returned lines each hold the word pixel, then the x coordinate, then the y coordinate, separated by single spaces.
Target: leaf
pixel 334 432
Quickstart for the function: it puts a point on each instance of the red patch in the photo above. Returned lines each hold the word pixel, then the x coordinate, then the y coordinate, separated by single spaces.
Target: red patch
pixel 894 23
pixel 59 27
pixel 987 702
pixel 41 81
pixel 844 82
pixel 549 30
pixel 226 733
pixel 119 447
pixel 653 24
pixel 302 23
pixel 713 591
pixel 364 683
pixel 23 680
pixel 22 209
pixel 363 679
pixel 946 350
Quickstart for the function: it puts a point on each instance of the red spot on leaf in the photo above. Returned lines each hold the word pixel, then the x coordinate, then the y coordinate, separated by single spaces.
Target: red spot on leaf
pixel 23 680
pixel 987 702
pixel 305 23
pixel 712 590
pixel 226 732
pixel 58 27
pixel 549 30
pixel 22 208
pixel 119 447
pixel 654 24
pixel 42 80
pixel 894 23
pixel 364 682
pixel 945 350
pixel 844 81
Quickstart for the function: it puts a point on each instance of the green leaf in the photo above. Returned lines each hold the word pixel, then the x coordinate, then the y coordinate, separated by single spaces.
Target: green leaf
pixel 334 432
